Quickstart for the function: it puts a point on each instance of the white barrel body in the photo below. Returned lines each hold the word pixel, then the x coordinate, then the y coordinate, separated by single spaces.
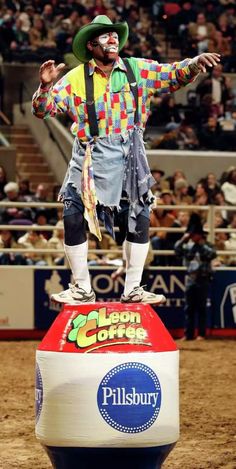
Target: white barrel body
pixel 69 412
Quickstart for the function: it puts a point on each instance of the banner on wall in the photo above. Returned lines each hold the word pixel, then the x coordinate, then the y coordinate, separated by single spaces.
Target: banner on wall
pixel 172 284
pixel 221 307
pixel 16 299
pixel 25 296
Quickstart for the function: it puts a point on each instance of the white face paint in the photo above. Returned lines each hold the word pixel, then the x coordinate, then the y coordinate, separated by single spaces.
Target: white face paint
pixel 103 41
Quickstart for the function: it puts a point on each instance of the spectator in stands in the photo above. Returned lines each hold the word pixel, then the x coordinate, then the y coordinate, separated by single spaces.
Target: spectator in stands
pixel 229 188
pixel 3 182
pixel 167 198
pixel 218 87
pixel 11 214
pixel 181 195
pixel 212 187
pixel 200 33
pixel 210 135
pixel 179 174
pixel 41 193
pixel 41 219
pixel 48 17
pixel 26 17
pixel 197 255
pixel 160 184
pixel 187 139
pixel 181 221
pixel 219 199
pixel 169 140
pixel 33 240
pixel 201 195
pixel 100 50
pixel 20 40
pixel 25 193
pixel 8 241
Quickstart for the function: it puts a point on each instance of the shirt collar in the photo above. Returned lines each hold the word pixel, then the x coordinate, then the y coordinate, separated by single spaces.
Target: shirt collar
pixel 118 64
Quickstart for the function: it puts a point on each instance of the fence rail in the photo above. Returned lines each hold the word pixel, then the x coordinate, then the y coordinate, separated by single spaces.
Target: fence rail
pixel 210 209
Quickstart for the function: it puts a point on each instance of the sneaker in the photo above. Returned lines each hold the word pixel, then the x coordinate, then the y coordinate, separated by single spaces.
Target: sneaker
pixel 74 295
pixel 139 295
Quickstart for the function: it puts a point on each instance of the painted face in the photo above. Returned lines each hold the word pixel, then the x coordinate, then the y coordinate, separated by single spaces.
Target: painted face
pixel 109 41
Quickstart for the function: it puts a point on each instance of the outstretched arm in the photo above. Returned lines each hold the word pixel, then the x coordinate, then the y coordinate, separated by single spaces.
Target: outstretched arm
pixel 169 77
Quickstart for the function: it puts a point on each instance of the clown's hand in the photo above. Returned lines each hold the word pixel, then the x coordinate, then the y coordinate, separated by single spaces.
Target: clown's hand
pixel 207 59
pixel 48 72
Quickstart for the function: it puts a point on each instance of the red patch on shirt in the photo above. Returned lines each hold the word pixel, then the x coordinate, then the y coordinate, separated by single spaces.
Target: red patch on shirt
pixel 144 73
pixel 157 84
pixel 123 115
pixel 81 133
pixel 77 100
pixel 116 98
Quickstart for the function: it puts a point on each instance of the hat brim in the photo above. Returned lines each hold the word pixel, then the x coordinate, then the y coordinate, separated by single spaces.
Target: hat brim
pixel 89 31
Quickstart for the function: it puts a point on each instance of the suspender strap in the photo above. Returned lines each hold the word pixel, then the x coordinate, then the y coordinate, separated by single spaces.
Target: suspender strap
pixel 89 88
pixel 133 86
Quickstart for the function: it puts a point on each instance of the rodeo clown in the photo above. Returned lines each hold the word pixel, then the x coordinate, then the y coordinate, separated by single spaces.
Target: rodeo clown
pixel 108 177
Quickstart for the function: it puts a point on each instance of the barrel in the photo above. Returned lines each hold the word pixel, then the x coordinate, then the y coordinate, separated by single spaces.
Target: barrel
pixel 107 388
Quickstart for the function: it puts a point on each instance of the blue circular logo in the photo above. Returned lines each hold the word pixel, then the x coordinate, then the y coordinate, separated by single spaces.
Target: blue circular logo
pixel 38 393
pixel 129 397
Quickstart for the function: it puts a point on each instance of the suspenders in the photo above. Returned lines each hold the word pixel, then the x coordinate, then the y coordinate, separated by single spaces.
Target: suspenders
pixel 89 88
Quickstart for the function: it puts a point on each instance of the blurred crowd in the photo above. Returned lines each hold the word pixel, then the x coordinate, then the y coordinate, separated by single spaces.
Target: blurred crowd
pixel 31 29
pixel 170 190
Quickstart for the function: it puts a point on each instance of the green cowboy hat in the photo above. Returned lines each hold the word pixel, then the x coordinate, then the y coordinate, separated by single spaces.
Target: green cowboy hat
pixel 100 23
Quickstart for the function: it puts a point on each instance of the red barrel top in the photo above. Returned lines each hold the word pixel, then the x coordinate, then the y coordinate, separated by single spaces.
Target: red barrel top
pixel 107 327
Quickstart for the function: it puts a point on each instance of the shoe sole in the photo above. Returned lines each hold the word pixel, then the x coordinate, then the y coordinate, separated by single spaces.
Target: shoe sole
pixel 69 301
pixel 154 302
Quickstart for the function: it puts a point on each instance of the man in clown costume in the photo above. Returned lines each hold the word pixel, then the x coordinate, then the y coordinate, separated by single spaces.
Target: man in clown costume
pixel 108 177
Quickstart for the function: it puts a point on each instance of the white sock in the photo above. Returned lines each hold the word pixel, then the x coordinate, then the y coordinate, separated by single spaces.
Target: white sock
pixel 135 254
pixel 77 257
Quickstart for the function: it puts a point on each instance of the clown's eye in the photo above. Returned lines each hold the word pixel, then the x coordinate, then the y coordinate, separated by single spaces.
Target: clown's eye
pixel 105 37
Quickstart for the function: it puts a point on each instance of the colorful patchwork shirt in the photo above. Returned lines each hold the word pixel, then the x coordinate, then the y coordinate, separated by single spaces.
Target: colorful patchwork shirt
pixel 114 101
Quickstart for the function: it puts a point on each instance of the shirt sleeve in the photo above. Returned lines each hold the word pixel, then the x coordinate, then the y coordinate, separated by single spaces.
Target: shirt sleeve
pixel 166 78
pixel 47 102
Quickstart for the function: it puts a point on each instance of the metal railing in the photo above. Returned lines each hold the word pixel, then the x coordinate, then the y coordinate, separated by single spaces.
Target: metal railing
pixel 210 209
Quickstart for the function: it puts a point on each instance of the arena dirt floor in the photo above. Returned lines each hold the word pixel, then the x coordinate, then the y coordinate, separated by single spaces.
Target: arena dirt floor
pixel 207 403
